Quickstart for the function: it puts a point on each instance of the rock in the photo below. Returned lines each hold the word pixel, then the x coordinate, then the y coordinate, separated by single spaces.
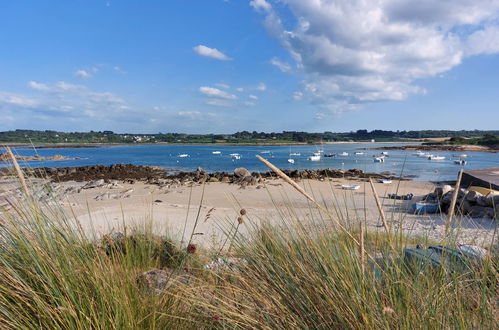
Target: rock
pixel 94 184
pixel 225 179
pixel 157 280
pixel 441 191
pixel 492 201
pixel 158 201
pixel 250 180
pixel 241 172
pixel 213 179
pixel 473 196
pixel 481 212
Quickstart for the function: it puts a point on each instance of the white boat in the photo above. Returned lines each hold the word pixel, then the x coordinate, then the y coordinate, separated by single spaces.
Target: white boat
pixel 432 157
pixel 235 156
pixel 183 155
pixel 460 162
pixel 343 154
pixel 216 152
pixel 461 155
pixel 379 159
pixel 385 181
pixel 295 154
pixel 384 153
pixel 265 152
pixel 359 153
pixel 291 161
pixel 350 187
pixel 314 158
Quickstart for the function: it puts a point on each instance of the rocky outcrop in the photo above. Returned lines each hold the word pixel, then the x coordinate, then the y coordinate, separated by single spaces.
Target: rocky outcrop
pixel 469 202
pixel 5 158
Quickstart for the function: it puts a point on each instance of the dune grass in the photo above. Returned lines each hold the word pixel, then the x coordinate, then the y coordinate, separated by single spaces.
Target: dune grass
pixel 286 275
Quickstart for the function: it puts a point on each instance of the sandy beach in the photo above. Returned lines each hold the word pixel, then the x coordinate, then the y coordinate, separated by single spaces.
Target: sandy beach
pixel 113 207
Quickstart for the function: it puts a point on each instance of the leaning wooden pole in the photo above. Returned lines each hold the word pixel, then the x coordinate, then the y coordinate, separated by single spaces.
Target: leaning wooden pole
pixel 307 195
pixel 380 207
pixel 453 202
pixel 20 174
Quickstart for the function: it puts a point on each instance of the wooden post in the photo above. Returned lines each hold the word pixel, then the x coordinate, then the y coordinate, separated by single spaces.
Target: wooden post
pixel 453 202
pixel 380 208
pixel 362 248
pixel 18 170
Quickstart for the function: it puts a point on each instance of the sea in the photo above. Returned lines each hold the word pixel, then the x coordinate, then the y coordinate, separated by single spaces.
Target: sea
pixel 397 162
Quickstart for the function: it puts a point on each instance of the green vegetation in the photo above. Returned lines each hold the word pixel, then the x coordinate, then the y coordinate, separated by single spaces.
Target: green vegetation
pixel 485 140
pixel 245 137
pixel 52 276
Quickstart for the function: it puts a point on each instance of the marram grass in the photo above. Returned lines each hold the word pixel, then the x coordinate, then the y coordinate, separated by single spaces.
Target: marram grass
pixel 53 276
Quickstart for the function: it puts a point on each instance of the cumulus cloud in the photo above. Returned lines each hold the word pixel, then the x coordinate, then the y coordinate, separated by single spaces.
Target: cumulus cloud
pixel 284 67
pixel 222 85
pixel 261 87
pixel 297 96
pixel 10 99
pixel 83 74
pixel 253 97
pixel 38 86
pixel 211 52
pixel 240 89
pixel 216 93
pixel 352 52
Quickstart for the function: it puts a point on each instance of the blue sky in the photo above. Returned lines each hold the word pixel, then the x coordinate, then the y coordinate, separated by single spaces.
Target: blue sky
pixel 222 66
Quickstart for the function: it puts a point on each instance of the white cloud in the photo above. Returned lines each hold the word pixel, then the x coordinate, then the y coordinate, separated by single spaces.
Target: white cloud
pixel 83 74
pixel 249 104
pixel 297 96
pixel 260 5
pixel 119 69
pixel 195 115
pixel 64 86
pixel 216 93
pixel 253 97
pixel 222 85
pixel 354 51
pixel 261 87
pixel 240 89
pixel 284 67
pixel 219 103
pixel 10 99
pixel 211 52
pixel 38 86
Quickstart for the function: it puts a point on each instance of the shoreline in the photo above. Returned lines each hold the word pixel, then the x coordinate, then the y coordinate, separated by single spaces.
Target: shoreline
pixel 266 144
pixel 443 147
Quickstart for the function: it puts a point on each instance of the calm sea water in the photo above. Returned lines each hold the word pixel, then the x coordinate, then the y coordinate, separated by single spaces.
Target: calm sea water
pixel 398 161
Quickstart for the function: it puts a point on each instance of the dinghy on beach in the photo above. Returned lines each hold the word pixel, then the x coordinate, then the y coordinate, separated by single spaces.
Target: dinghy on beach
pixel 350 187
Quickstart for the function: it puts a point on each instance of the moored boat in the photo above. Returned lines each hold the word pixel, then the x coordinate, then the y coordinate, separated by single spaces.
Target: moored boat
pixel 295 154
pixel 460 162
pixel 432 157
pixel 291 161
pixel 216 152
pixel 350 187
pixel 328 155
pixel 358 153
pixel 379 159
pixel 183 155
pixel 343 153
pixel 314 158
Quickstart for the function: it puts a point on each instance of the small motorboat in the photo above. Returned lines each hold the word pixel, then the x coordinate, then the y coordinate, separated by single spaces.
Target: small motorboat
pixel 350 187
pixel 344 154
pixel 328 155
pixel 265 152
pixel 314 158
pixel 359 153
pixel 291 161
pixel 432 157
pixel 425 207
pixel 385 181
pixel 216 152
pixel 183 155
pixel 295 154
pixel 235 156
pixel 461 155
pixel 385 153
pixel 379 159
pixel 460 162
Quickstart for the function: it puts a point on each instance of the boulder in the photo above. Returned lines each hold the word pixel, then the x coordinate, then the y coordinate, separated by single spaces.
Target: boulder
pixel 441 191
pixel 241 172
pixel 213 179
pixel 225 179
pixel 473 196
pixel 481 212
pixel 157 280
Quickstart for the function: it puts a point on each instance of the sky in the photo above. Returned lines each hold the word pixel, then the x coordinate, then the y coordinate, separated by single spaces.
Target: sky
pixel 221 66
